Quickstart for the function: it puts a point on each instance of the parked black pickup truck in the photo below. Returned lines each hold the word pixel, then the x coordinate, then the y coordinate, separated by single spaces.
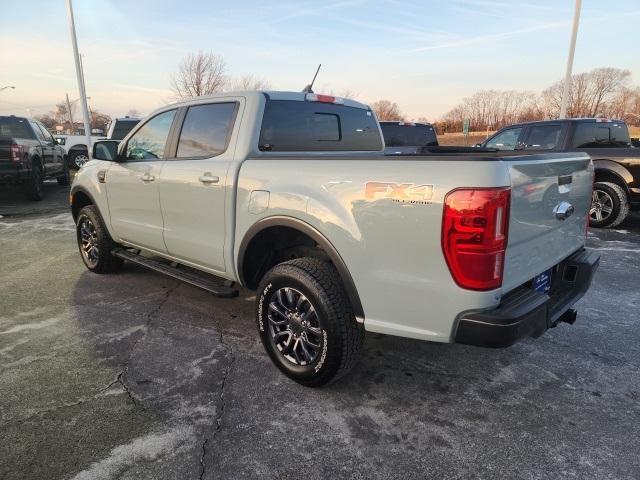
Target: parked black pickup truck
pixel 617 183
pixel 29 155
pixel 407 137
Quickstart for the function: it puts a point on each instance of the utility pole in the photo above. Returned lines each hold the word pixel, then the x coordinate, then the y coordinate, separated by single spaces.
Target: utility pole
pixel 572 50
pixel 81 89
pixel 69 112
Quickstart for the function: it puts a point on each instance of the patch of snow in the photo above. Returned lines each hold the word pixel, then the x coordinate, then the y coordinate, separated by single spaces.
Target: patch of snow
pixel 146 448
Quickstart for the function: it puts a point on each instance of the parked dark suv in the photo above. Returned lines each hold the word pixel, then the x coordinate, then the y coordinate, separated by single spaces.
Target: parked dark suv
pixel 29 155
pixel 617 163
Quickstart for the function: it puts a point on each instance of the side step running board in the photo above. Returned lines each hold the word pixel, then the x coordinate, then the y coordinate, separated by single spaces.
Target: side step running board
pixel 217 286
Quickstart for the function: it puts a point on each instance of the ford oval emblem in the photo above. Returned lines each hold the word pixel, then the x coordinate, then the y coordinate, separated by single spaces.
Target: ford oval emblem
pixel 563 210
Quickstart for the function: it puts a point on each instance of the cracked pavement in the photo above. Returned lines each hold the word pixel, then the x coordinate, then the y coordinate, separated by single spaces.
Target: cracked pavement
pixel 135 375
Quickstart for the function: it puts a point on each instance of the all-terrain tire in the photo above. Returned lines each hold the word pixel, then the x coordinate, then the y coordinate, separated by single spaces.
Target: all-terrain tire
pixel 610 203
pixel 342 337
pixel 33 187
pixel 91 232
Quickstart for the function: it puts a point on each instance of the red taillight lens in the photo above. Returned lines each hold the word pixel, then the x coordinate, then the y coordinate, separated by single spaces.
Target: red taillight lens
pixel 474 235
pixel 16 153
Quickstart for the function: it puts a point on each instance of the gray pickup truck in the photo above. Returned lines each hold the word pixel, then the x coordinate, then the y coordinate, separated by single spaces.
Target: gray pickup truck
pixel 29 155
pixel 291 195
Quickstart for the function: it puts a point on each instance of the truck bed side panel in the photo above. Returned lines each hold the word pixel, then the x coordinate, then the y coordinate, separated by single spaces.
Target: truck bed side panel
pixel 391 246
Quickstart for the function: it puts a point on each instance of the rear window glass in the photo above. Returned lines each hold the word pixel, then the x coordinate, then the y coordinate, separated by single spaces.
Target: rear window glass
pixel 396 135
pixel 543 137
pixel 11 127
pixel 122 127
pixel 301 126
pixel 601 135
pixel 206 129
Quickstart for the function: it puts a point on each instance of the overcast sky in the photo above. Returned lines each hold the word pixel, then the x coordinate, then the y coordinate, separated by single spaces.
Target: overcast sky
pixel 424 55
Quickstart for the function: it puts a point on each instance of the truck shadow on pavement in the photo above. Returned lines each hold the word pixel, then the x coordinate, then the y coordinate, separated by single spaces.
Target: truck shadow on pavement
pixel 194 365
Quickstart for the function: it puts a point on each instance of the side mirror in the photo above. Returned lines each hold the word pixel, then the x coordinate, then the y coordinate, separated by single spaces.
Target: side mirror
pixel 60 141
pixel 478 145
pixel 106 150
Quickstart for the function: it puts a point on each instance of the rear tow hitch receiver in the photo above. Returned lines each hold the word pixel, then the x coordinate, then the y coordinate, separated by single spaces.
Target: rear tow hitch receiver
pixel 569 316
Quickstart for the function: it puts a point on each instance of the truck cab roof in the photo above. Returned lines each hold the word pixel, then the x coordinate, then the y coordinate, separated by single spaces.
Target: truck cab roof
pixel 273 95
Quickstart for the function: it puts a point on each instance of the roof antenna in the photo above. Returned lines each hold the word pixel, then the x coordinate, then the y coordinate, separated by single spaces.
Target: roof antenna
pixel 309 88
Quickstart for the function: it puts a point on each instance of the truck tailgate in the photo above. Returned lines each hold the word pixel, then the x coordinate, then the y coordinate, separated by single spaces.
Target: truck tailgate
pixel 539 237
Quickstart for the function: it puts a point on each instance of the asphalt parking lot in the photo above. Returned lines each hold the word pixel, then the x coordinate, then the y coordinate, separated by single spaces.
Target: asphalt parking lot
pixel 136 376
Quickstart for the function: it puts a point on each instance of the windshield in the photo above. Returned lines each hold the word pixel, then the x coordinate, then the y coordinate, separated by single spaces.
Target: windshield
pixel 407 135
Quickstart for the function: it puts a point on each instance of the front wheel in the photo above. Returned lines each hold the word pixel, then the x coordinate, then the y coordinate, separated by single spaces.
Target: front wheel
pixel 306 323
pixel 609 205
pixel 77 159
pixel 95 243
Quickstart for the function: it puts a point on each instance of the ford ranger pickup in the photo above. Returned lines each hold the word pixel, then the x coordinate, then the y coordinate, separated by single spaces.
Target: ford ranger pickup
pixel 290 195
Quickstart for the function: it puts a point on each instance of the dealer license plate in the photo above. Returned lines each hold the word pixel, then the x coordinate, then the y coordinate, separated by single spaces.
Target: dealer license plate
pixel 542 283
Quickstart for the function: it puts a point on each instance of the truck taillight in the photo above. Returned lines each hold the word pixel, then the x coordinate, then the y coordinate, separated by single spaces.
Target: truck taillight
pixel 17 151
pixel 474 235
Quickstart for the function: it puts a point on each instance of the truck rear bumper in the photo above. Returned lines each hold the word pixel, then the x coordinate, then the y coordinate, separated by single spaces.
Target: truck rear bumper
pixel 525 312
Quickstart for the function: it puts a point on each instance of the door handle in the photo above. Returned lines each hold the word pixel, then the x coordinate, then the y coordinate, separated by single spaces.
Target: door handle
pixel 208 178
pixel 147 178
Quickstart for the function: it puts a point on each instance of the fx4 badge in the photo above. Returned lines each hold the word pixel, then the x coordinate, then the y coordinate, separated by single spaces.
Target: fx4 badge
pixel 399 192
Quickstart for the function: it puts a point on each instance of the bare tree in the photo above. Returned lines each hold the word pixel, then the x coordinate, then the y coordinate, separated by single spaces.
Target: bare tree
pixel 387 110
pixel 47 120
pixel 247 82
pixel 489 109
pixel 201 73
pixel 62 114
pixel 591 93
pixel 99 120
pixel 133 113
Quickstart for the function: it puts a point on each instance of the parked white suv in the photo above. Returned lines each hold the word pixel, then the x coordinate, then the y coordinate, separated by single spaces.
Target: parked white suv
pixel 290 194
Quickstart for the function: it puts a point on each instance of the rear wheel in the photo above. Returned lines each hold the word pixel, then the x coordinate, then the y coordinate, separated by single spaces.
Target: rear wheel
pixel 306 323
pixel 34 183
pixel 609 205
pixel 95 243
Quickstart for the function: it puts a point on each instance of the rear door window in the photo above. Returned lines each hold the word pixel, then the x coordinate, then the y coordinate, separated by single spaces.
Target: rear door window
pixel 506 140
pixel 206 130
pixel 302 126
pixel 543 137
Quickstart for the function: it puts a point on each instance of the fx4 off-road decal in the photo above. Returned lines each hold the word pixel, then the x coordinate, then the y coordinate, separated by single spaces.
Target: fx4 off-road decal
pixel 421 194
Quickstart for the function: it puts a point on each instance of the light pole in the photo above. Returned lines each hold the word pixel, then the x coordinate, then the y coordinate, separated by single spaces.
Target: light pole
pixel 81 89
pixel 572 50
pixel 8 86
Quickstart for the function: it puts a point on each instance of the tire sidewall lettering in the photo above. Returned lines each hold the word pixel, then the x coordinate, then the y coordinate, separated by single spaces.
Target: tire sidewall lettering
pixel 261 304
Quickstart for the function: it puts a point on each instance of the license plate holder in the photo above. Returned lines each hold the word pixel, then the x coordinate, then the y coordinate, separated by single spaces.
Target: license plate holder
pixel 542 282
